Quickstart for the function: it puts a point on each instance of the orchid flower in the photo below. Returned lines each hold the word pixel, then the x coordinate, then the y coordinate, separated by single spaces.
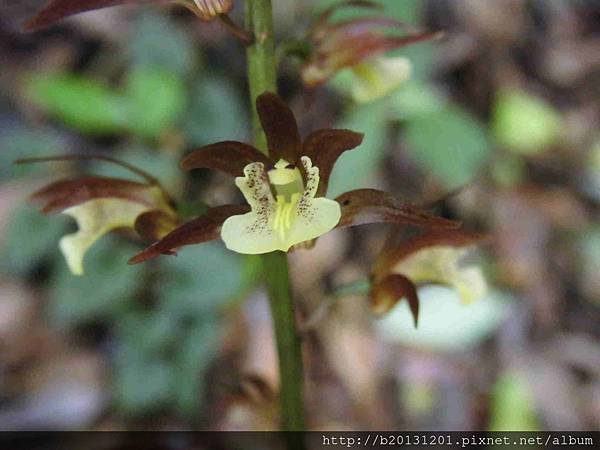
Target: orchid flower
pixel 435 256
pixel 101 204
pixel 360 44
pixel 285 191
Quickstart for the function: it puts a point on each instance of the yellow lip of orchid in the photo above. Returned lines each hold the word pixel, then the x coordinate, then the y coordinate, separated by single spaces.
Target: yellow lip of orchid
pixel 293 216
pixel 379 76
pixel 95 218
pixel 443 265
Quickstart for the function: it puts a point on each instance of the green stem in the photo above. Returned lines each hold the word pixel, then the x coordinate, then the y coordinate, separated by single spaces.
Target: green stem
pixel 262 77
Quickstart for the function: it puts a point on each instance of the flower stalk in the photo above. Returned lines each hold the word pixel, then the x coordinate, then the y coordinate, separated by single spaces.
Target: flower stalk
pixel 262 77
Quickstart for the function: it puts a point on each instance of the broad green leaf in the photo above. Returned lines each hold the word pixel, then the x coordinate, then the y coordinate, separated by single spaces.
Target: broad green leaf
pixel 150 332
pixel 445 324
pixel 525 124
pixel 107 288
pixel 450 143
pixel 201 279
pixel 216 113
pixel 155 99
pixel 141 384
pixel 157 42
pixel 31 236
pixel 193 360
pixel 82 103
pixel 416 99
pixel 512 406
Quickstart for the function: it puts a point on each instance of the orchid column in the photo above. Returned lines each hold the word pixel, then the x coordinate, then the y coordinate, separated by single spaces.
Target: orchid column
pixel 262 77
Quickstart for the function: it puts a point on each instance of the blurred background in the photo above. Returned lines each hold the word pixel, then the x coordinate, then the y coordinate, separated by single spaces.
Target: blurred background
pixel 507 104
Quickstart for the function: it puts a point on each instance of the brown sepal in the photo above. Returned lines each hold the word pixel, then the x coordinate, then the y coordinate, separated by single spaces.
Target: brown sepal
pixel 364 206
pixel 392 255
pixel 56 10
pixel 387 292
pixel 324 147
pixel 322 25
pixel 228 156
pixel 155 224
pixel 201 229
pixel 353 44
pixel 63 194
pixel 281 129
pixel 357 47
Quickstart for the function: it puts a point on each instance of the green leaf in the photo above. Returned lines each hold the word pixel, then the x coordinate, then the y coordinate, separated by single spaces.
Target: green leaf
pixel 200 280
pixel 416 99
pixel 107 288
pixel 193 360
pixel 450 143
pixel 157 42
pixel 141 384
pixel 151 333
pixel 216 113
pixel 30 237
pixel 156 99
pixel 82 103
pixel 364 162
pixel 512 406
pixel 525 124
pixel 445 324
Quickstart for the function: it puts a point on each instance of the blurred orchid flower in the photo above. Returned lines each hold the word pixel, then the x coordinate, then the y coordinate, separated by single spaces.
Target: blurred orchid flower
pixel 101 204
pixel 360 44
pixel 285 191
pixel 206 10
pixel 435 256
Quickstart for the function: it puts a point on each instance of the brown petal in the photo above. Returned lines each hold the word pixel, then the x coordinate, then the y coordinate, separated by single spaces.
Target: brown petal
pixel 389 291
pixel 347 49
pixel 321 26
pixel 229 156
pixel 202 229
pixel 364 206
pixel 364 24
pixel 155 224
pixel 280 126
pixel 63 194
pixel 392 255
pixel 324 147
pixel 56 10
